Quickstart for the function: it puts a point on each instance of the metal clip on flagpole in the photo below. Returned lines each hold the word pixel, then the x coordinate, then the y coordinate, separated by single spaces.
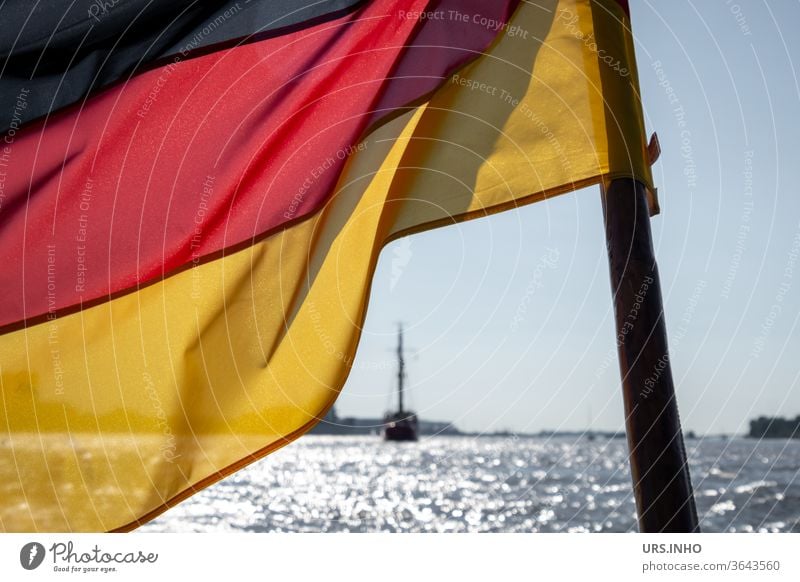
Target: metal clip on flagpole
pixel 661 483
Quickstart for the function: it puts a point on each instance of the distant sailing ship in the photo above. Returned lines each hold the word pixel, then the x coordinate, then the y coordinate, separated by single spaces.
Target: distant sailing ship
pixel 400 425
pixel 590 436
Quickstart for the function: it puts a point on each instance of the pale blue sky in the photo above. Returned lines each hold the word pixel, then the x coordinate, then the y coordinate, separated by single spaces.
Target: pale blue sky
pixel 511 316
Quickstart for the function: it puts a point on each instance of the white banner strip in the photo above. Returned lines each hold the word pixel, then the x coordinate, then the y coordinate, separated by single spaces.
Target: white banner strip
pixel 419 557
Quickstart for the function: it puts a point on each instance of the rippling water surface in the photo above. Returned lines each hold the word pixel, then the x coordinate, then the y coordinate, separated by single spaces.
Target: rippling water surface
pixel 459 484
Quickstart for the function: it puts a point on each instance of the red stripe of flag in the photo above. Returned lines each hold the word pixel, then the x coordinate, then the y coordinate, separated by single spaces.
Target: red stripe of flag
pixel 204 154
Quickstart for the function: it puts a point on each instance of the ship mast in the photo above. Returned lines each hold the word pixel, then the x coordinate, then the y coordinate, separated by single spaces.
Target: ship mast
pixel 401 365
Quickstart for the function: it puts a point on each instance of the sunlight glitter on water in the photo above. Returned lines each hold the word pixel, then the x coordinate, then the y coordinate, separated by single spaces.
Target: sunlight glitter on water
pixel 464 484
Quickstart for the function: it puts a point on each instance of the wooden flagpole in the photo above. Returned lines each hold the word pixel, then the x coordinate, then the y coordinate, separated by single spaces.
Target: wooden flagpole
pixel 661 483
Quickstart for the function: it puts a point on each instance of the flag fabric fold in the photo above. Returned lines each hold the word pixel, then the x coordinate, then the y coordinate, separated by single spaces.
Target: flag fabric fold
pixel 189 245
pixel 59 52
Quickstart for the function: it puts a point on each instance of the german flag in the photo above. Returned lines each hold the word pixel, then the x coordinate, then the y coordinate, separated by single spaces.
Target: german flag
pixel 193 197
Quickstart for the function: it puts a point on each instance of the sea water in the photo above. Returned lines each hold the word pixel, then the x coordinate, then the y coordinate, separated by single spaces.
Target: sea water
pixel 486 484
